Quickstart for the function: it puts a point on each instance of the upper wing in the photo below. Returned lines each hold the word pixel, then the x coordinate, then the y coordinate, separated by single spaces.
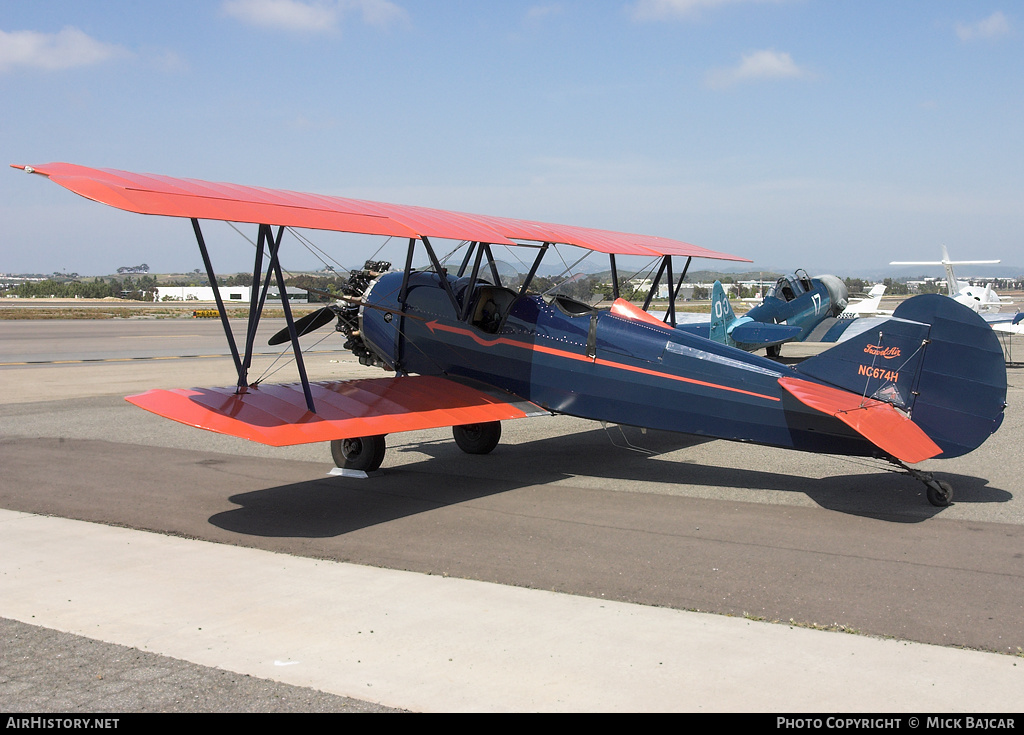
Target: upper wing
pixel 276 414
pixel 152 194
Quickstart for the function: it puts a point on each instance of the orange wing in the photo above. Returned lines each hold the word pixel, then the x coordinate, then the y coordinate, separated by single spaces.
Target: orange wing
pixel 276 414
pixel 164 195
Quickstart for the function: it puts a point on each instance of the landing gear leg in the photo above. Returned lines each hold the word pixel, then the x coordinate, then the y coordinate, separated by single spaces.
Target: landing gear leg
pixel 940 493
pixel 362 453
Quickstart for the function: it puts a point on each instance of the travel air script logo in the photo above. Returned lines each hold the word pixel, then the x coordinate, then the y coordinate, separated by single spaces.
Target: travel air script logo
pixel 880 373
pixel 887 352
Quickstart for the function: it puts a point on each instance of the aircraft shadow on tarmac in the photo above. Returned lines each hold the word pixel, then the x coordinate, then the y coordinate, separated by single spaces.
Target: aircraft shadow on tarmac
pixel 333 505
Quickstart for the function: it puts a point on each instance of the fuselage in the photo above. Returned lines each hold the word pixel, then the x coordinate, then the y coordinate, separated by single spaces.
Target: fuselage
pixel 802 302
pixel 572 359
pixel 979 300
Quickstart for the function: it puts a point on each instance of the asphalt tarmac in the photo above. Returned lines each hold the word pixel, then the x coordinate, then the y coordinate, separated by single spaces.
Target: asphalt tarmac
pixel 578 567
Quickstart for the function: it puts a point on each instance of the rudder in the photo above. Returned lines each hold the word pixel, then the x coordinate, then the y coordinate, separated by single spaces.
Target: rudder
pixel 936 360
pixel 722 315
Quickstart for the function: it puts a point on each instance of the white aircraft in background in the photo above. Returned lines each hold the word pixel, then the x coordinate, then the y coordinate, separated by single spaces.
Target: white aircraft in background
pixel 982 300
pixel 868 306
pixel 985 301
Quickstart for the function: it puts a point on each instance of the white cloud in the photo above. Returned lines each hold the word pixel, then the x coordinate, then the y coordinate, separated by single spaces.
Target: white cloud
pixel 168 61
pixel 379 12
pixel 669 9
pixel 991 27
pixel 539 12
pixel 317 16
pixel 52 51
pixel 766 64
pixel 290 15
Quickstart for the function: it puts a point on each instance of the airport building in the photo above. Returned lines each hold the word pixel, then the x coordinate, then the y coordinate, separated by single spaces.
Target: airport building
pixel 230 294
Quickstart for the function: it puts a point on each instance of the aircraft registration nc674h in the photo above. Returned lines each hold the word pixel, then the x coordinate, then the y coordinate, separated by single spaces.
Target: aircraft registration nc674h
pixel 469 351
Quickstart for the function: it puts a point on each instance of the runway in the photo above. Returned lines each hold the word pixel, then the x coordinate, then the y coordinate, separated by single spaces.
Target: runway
pixel 578 561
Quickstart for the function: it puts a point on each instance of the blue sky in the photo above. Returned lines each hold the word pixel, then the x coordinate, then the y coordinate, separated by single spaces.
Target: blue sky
pixel 830 135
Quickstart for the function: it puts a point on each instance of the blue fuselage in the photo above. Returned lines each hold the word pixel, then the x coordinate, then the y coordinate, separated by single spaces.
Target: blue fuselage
pixel 571 359
pixel 801 302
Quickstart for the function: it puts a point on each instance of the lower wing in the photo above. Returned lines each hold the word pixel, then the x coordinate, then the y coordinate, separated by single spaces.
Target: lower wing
pixel 276 415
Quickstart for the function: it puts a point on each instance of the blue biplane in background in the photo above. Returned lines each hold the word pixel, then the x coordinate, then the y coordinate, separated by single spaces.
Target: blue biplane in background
pixel 467 349
pixel 789 312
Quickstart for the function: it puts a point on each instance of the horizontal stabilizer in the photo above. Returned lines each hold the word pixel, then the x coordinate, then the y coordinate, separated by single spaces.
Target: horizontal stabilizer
pixel 876 421
pixel 763 334
pixel 276 415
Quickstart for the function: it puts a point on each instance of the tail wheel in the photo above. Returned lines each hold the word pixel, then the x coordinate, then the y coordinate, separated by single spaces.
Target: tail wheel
pixel 361 453
pixel 940 493
pixel 477 438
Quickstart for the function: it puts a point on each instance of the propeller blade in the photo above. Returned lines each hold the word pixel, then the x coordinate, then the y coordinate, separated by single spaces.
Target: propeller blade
pixel 309 323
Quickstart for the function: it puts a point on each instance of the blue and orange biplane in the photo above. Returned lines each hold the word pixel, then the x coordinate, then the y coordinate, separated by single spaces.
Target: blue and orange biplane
pixel 468 350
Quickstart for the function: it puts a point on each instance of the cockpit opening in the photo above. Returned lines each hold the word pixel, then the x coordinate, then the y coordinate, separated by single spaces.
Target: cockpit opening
pixel 492 304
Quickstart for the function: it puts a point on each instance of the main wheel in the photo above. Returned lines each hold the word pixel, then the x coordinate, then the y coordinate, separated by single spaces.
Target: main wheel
pixel 362 453
pixel 477 438
pixel 940 494
pixel 773 351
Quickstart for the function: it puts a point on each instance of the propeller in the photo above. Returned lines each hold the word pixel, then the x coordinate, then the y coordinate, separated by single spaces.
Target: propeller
pixel 309 323
pixel 353 289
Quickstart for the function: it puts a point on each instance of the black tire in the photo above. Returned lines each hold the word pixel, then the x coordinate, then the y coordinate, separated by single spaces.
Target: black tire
pixel 477 438
pixel 361 453
pixel 940 494
pixel 773 351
